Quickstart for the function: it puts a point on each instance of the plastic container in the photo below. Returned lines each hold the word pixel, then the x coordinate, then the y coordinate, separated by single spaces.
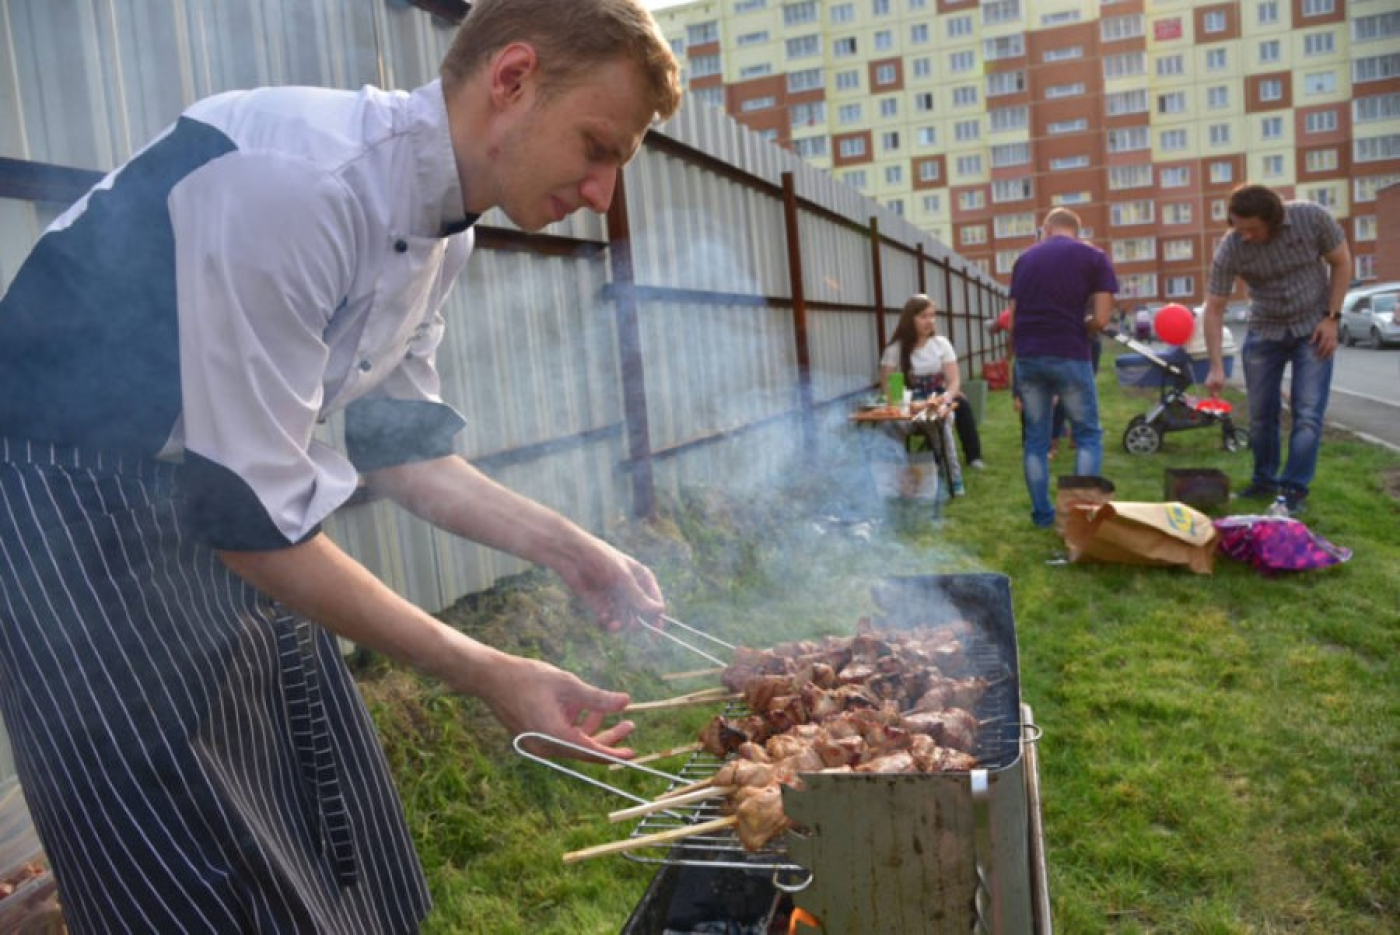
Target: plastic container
pixel 894 389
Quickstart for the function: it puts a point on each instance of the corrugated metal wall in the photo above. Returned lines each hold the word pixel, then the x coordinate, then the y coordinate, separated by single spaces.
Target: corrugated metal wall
pixel 532 355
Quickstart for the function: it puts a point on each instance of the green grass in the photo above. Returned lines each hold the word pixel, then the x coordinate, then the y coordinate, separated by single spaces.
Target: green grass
pixel 1220 752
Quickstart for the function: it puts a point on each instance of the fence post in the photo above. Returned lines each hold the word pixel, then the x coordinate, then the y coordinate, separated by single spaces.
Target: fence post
pixel 629 352
pixel 799 313
pixel 877 276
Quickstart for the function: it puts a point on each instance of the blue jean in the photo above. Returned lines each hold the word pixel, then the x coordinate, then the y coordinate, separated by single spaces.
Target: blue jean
pixel 1041 379
pixel 1264 363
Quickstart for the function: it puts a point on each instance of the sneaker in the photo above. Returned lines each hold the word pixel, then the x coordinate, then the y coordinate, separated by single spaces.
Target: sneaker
pixel 979 464
pixel 958 489
pixel 1258 491
pixel 1297 503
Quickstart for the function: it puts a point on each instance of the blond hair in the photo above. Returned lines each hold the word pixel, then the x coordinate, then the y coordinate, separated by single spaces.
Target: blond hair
pixel 571 38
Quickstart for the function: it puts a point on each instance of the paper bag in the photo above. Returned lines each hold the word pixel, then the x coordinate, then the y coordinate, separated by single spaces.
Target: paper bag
pixel 1141 534
pixel 1079 489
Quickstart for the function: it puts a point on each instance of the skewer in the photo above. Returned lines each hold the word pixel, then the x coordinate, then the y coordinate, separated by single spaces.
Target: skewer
pixel 658 755
pixel 692 674
pixel 700 633
pixel 645 840
pixel 681 701
pixel 699 795
pixel 662 631
pixel 686 789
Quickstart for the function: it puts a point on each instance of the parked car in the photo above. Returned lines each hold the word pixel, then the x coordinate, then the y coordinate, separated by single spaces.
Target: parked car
pixel 1369 314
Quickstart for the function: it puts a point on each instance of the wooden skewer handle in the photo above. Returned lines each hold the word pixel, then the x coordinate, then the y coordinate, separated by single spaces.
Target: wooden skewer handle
pixel 681 702
pixel 658 755
pixel 699 795
pixel 660 837
pixel 692 674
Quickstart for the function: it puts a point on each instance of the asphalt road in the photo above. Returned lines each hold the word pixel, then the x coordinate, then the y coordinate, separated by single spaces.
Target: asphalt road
pixel 1365 391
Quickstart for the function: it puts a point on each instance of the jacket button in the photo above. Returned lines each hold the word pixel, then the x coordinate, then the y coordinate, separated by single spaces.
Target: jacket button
pixel 366 366
pixel 401 246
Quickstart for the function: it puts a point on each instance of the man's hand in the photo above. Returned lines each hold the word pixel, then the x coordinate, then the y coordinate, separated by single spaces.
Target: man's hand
pixel 614 586
pixel 1215 379
pixel 529 696
pixel 1324 338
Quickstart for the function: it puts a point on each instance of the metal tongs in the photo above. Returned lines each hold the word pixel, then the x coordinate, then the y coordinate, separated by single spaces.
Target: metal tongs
pixel 680 642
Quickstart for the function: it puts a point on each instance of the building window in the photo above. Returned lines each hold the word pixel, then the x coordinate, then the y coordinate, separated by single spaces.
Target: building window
pixel 844 47
pixel 1319 7
pixel 1219 208
pixel 848 80
pixel 1181 287
pixel 1068 126
pixel 1365 225
pixel 1377 148
pixel 918 34
pixel 1133 249
pixel 756 71
pixel 1064 90
pixel 1216 60
pixel 1176 214
pixel 884 40
pixel 1113 28
pixel 1222 173
pixel 809 79
pixel 1005 190
pixel 889 141
pixel 852 147
pixel 1175 176
pixel 798 14
pixel 1173 103
pixel 758 103
pixel 848 113
pixel 923 102
pixel 889 107
pixel 1319 43
pixel 970 165
pixel 1269 52
pixel 928 171
pixel 1320 82
pixel 1271 89
pixel 1121 177
pixel 1171 65
pixel 1366 266
pixel 808 115
pixel 1126 65
pixel 923 67
pixel 894 175
pixel 1006 260
pixel 1321 160
pixel 1376 107
pixel 1122 141
pixel 1071 198
pixel 971 235
pixel 1219 134
pixel 1063 55
pixel 1003 47
pixel 1273 166
pixel 1126 102
pixel 1320 121
pixel 1011 154
pixel 1375 68
pixel 959 62
pixel 843 13
pixel 933 204
pixel 1006 82
pixel 896 206
pixel 1218 97
pixel 1000 11
pixel 1126 213
pixel 967 130
pixel 1183 249
pixel 1266 13
pixel 959 26
pixel 1214 21
pixel 855 179
pixel 1271 128
pixel 927 136
pixel 1327 197
pixel 810 147
pixel 886 74
pixel 803 46
pixel 1138 286
pixel 1375 26
pixel 710 97
pixel 752 38
pixel 965 96
pixel 1069 162
pixel 1173 141
pixel 1364 189
pixel 702 33
pixel 880 7
pixel 1002 119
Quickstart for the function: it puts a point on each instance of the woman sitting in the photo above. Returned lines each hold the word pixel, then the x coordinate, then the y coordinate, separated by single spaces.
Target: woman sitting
pixel 930 368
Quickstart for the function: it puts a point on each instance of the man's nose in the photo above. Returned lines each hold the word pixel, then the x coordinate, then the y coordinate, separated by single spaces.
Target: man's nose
pixel 597 189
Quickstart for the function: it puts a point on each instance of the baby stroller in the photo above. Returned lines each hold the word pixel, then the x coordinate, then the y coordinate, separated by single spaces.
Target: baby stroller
pixel 1173 371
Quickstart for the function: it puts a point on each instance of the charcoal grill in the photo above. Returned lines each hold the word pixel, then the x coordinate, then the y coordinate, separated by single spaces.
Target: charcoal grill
pixel 882 854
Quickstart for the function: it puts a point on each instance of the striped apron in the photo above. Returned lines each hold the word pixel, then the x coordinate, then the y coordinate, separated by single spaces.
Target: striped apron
pixel 196 757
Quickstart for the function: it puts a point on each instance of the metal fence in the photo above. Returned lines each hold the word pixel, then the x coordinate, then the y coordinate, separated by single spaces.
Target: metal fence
pixel 726 310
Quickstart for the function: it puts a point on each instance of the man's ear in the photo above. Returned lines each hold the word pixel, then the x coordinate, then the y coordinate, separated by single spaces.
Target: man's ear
pixel 513 69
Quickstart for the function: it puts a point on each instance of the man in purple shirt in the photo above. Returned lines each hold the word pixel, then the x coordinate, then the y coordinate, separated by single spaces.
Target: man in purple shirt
pixel 1052 285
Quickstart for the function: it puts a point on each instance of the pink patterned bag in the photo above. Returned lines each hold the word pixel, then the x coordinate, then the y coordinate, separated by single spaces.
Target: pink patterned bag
pixel 1274 543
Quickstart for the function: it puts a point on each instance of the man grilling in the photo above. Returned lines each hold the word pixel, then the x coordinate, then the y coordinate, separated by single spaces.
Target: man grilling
pixel 192 747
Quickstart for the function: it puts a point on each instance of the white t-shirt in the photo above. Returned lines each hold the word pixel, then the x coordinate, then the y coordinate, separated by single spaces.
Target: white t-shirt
pixel 926 360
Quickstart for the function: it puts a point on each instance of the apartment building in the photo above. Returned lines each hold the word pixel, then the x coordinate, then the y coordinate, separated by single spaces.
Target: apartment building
pixel 972 119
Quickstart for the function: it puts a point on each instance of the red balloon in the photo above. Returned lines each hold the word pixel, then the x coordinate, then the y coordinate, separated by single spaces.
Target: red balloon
pixel 1004 320
pixel 1174 324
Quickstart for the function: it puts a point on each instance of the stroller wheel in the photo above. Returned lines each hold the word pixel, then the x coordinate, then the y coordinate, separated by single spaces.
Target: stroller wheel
pixel 1141 437
pixel 1235 438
